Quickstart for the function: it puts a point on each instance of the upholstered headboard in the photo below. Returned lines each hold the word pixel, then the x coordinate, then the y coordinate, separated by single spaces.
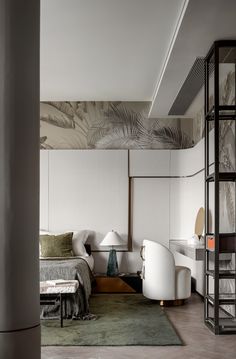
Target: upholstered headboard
pixel 88 249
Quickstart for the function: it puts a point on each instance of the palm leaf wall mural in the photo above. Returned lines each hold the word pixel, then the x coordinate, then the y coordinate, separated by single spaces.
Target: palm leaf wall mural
pixel 121 127
pixel 173 136
pixel 61 121
pixel 43 145
pixel 107 125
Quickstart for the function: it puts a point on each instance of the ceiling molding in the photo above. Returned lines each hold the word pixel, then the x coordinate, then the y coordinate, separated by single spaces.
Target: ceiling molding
pixel 191 86
pixel 178 24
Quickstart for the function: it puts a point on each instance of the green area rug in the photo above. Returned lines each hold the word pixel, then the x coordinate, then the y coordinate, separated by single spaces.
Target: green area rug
pixel 122 319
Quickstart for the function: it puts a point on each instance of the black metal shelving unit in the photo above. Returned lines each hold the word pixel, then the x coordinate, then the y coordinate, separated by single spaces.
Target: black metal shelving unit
pixel 219 307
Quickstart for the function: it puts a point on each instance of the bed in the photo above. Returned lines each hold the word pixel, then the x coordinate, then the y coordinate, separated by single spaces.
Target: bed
pixel 71 268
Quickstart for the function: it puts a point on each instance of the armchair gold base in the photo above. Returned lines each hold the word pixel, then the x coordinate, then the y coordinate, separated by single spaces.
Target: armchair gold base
pixel 171 303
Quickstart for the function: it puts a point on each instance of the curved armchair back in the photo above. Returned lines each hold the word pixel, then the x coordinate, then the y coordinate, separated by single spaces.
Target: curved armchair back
pixel 158 271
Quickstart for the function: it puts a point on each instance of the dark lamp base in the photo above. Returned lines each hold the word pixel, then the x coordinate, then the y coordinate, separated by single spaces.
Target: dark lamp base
pixel 112 266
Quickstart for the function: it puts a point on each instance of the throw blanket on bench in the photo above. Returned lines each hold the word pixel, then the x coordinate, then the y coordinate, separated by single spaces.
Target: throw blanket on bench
pixel 78 307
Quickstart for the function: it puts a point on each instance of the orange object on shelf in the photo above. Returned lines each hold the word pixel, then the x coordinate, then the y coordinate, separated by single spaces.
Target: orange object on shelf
pixel 210 243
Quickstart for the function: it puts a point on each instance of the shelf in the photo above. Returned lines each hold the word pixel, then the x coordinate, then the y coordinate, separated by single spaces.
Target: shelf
pixel 227 242
pixel 218 313
pixel 224 298
pixel 223 256
pixel 224 113
pixel 226 325
pixel 223 177
pixel 223 274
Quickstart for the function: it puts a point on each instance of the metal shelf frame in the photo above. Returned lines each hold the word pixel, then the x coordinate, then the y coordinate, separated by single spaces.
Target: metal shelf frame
pixel 215 114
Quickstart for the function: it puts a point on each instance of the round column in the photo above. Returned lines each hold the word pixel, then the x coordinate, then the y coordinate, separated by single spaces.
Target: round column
pixel 19 179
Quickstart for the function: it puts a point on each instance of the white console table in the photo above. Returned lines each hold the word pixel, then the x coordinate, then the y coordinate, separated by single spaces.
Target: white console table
pixel 192 256
pixel 193 251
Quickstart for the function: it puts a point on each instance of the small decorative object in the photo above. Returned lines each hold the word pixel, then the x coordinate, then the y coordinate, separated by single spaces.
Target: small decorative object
pixel 199 223
pixel 112 239
pixel 196 239
pixel 202 240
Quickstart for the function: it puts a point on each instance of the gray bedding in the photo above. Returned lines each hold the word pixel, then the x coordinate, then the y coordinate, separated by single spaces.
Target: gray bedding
pixel 78 306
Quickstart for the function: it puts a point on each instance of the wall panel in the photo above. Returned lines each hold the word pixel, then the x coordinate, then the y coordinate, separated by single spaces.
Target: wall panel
pixel 149 163
pixel 186 197
pixel 88 189
pixel 150 210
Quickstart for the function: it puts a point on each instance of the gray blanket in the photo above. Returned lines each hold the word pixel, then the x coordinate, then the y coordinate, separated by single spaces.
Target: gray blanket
pixel 78 305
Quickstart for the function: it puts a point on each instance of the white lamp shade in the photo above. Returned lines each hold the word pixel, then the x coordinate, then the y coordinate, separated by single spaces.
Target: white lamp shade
pixel 112 239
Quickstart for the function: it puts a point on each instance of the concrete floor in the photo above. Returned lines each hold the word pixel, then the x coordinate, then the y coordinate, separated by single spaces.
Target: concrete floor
pixel 199 342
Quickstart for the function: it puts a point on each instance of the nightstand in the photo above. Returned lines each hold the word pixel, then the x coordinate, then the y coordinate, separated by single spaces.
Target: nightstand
pixel 123 283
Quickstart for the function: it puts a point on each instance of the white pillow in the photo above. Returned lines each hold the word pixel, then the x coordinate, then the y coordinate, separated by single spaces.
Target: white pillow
pixel 43 232
pixel 78 241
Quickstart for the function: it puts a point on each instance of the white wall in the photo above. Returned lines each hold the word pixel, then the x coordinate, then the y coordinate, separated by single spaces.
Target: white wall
pixel 150 214
pixel 150 170
pixel 149 163
pixel 187 191
pixel 186 197
pixel 166 208
pixel 89 189
pixel 151 208
pixel 85 190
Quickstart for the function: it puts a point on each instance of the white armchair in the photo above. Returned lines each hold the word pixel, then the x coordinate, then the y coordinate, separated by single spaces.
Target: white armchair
pixel 162 280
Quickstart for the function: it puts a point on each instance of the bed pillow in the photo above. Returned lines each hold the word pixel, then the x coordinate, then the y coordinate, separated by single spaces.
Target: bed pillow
pixel 78 241
pixel 56 245
pixel 41 232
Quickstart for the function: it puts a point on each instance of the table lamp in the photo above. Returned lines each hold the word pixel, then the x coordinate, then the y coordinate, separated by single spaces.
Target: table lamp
pixel 112 239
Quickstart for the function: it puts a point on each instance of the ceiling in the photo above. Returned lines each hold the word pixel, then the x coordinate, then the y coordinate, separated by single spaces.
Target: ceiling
pixel 204 22
pixel 127 50
pixel 104 49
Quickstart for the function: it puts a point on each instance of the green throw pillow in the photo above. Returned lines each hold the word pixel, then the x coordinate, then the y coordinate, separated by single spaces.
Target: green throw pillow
pixel 56 246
